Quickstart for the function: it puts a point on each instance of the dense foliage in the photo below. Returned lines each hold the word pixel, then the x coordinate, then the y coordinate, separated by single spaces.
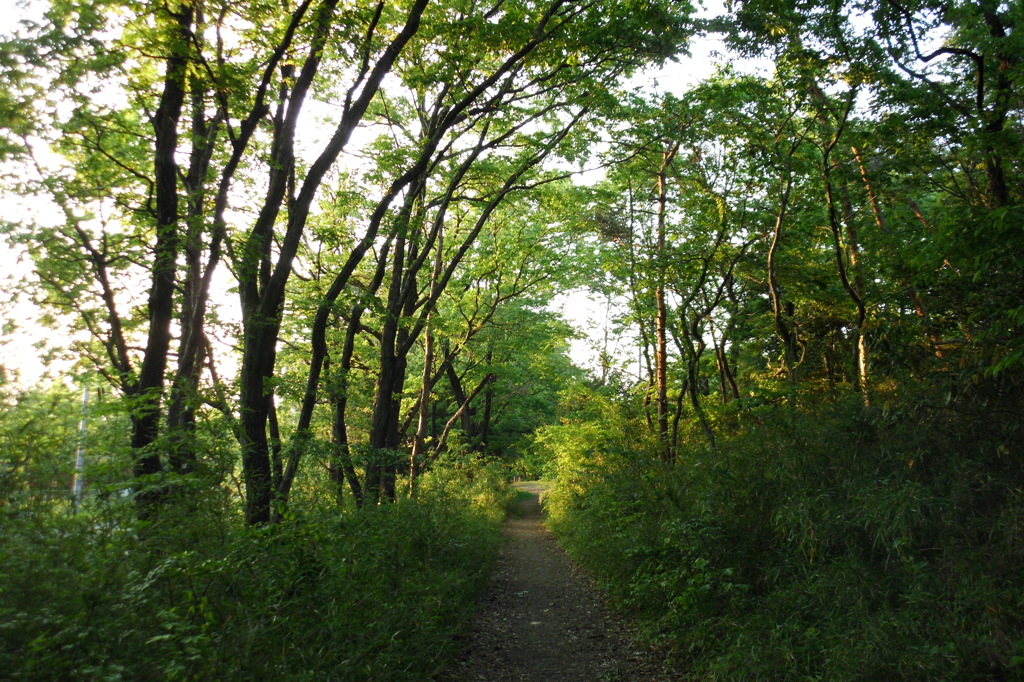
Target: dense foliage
pixel 329 593
pixel 833 543
pixel 811 467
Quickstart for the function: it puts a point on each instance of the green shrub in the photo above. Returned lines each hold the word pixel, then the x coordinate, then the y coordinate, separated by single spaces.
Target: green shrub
pixel 835 542
pixel 375 594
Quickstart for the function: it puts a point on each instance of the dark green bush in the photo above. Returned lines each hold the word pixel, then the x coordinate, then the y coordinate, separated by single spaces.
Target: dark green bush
pixel 831 542
pixel 376 594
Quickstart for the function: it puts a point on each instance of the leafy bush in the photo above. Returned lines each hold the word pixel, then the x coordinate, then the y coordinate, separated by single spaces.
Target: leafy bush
pixel 836 542
pixel 326 594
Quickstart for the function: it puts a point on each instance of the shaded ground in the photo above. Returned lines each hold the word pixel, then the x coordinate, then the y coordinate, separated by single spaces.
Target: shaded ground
pixel 541 619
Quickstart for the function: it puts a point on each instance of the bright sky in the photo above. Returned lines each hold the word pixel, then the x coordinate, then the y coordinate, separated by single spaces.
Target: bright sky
pixel 21 334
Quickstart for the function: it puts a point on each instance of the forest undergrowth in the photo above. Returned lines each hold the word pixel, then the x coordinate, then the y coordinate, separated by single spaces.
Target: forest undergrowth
pixel 832 541
pixel 327 593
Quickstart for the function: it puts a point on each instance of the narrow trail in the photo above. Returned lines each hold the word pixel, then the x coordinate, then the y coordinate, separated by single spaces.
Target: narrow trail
pixel 541 619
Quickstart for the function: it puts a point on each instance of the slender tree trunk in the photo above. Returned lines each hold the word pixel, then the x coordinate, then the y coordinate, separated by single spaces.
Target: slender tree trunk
pixel 861 353
pixel 860 357
pixel 1002 98
pixel 339 431
pixel 443 438
pixel 726 379
pixel 255 401
pixel 781 311
pixel 419 440
pixel 342 468
pixel 730 294
pixel 184 393
pixel 485 421
pixel 149 387
pixel 276 461
pixel 422 412
pixel 389 384
pixel 677 415
pixel 466 413
pixel 661 311
pixel 876 211
pixel 639 297
pixel 692 347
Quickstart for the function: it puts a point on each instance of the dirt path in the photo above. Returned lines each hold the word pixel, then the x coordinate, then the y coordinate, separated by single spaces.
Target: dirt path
pixel 541 619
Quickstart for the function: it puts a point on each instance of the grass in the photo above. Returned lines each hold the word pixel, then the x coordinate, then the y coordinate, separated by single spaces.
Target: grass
pixel 376 594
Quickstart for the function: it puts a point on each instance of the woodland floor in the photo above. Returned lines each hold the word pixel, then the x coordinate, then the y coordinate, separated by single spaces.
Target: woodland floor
pixel 540 617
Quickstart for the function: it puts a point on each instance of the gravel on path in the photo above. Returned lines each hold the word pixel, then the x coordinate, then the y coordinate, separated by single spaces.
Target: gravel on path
pixel 540 618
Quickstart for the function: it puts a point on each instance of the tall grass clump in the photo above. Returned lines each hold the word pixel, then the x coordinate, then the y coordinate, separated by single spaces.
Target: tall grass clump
pixel 833 542
pixel 329 593
pixel 374 594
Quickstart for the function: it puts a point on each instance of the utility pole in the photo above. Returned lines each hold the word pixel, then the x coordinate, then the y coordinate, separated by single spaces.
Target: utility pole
pixel 79 480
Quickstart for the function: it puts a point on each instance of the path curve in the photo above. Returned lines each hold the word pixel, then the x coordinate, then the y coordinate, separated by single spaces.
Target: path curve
pixel 540 618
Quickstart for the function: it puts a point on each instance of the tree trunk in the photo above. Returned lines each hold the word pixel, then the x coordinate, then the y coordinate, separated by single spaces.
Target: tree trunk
pixel 860 358
pixel 184 393
pixel 339 431
pixel 422 412
pixel 149 387
pixel 853 249
pixel 443 438
pixel 466 418
pixel 692 347
pixel 485 421
pixel 419 440
pixel 876 211
pixel 727 380
pixel 390 380
pixel 342 470
pixel 661 312
pixel 781 311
